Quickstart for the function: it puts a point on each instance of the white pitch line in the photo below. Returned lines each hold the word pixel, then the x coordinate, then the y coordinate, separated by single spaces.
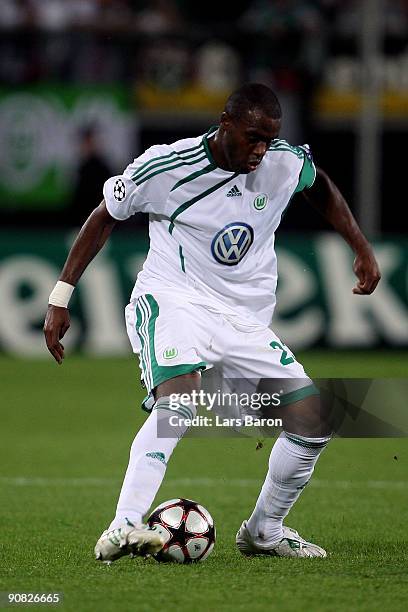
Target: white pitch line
pixel 23 481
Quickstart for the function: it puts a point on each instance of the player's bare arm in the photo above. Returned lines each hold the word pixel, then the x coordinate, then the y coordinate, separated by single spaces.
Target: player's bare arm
pixel 88 243
pixel 330 203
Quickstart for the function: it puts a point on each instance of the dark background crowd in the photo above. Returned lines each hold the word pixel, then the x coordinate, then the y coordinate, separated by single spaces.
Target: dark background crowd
pixel 304 49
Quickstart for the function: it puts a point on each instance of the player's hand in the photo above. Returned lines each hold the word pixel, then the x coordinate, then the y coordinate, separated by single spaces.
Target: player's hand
pixel 366 269
pixel 55 327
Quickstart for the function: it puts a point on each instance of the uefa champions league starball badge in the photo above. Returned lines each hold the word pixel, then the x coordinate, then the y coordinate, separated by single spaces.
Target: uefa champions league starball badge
pixel 119 190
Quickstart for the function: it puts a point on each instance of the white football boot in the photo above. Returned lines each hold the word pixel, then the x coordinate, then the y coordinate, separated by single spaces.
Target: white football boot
pixel 291 545
pixel 128 539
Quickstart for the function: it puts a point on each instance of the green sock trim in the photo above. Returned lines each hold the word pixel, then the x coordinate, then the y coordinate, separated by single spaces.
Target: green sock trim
pixel 299 441
pixel 181 410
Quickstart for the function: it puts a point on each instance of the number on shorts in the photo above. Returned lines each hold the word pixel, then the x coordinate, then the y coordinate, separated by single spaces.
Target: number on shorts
pixel 284 359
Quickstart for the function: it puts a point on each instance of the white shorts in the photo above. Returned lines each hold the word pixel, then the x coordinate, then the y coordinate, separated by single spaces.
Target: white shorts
pixel 174 337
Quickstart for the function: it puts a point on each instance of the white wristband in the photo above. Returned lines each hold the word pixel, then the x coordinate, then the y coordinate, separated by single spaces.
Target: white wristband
pixel 61 294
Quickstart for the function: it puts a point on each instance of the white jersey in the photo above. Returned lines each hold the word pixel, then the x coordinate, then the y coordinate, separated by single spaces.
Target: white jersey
pixel 211 231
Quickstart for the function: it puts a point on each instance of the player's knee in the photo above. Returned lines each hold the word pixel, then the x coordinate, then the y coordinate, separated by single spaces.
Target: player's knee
pixel 179 385
pixel 308 417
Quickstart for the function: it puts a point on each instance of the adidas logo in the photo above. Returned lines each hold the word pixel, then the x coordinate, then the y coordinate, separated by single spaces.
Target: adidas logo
pixel 160 456
pixel 234 191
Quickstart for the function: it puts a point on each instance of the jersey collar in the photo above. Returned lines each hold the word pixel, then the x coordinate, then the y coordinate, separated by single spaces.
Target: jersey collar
pixel 207 149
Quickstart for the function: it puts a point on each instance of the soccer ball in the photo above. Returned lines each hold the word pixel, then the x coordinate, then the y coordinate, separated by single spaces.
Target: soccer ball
pixel 187 529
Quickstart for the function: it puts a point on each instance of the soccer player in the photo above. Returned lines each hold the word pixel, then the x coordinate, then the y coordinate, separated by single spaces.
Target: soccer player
pixel 205 297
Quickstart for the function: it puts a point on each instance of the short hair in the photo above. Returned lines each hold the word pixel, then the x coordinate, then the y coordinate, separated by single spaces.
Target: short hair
pixel 250 96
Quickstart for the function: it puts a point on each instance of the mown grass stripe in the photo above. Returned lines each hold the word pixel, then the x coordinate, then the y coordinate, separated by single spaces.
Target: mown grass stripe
pixel 26 481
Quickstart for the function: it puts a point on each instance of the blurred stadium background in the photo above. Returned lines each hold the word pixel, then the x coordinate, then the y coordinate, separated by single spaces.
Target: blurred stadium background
pixel 87 85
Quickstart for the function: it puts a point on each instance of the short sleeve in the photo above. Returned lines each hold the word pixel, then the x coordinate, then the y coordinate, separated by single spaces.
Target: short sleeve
pixel 120 200
pixel 138 189
pixel 308 172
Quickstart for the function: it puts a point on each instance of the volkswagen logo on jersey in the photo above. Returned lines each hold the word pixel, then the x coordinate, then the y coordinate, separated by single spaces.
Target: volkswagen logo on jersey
pixel 232 243
pixel 119 190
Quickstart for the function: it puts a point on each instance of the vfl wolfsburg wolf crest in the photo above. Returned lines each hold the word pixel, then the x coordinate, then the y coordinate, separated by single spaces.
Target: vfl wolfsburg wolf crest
pixel 170 352
pixel 260 201
pixel 232 243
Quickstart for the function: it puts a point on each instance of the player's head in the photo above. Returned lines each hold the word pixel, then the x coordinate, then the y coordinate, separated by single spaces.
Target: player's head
pixel 251 119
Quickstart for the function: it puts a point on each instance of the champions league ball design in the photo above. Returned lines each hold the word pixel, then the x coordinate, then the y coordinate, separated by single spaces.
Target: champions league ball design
pixel 187 529
pixel 119 190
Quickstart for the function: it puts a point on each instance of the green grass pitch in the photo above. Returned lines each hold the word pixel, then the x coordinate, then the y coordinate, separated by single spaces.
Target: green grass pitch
pixel 65 438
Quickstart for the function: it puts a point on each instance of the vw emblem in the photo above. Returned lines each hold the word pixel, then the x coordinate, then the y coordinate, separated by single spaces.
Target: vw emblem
pixel 232 243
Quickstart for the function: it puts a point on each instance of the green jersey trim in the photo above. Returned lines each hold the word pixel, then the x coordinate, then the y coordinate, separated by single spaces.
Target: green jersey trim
pixel 194 175
pixel 138 175
pixel 174 154
pixel 298 394
pixel 307 175
pixel 282 145
pixel 198 197
pixel 182 258
pixel 210 132
pixel 169 167
pixel 139 321
pixel 147 311
pixel 167 372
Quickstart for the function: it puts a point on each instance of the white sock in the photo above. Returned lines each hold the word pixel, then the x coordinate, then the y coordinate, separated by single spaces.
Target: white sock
pixel 291 465
pixel 150 451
